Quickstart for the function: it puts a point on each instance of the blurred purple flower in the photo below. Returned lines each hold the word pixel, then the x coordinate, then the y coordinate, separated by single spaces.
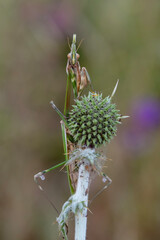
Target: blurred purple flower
pixel 146 114
pixel 145 117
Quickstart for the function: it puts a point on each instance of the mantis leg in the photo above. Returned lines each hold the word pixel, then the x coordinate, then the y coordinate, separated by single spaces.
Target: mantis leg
pixel 42 177
pixel 85 80
pixel 105 178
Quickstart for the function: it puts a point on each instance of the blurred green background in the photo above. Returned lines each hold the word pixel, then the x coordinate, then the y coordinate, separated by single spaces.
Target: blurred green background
pixel 121 41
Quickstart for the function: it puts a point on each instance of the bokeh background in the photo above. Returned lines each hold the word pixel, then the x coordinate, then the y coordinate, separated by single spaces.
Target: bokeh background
pixel 121 41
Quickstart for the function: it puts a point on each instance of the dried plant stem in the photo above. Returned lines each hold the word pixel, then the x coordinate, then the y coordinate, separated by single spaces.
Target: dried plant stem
pixel 91 123
pixel 81 195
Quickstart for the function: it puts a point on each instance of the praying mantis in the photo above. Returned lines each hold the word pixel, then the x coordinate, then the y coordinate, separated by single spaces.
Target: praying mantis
pixel 79 78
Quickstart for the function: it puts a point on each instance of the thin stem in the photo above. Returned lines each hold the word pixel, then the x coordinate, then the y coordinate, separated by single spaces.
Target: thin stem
pixel 64 137
pixel 54 167
pixel 59 113
pixel 67 97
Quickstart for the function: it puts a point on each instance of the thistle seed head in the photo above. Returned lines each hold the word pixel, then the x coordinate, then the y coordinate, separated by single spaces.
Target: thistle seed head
pixel 93 120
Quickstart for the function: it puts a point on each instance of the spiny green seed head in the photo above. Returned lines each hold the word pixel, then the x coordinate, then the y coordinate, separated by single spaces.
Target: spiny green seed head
pixel 93 120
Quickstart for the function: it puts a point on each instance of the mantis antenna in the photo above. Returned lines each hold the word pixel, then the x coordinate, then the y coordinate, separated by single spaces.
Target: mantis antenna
pixel 68 42
pixel 80 43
